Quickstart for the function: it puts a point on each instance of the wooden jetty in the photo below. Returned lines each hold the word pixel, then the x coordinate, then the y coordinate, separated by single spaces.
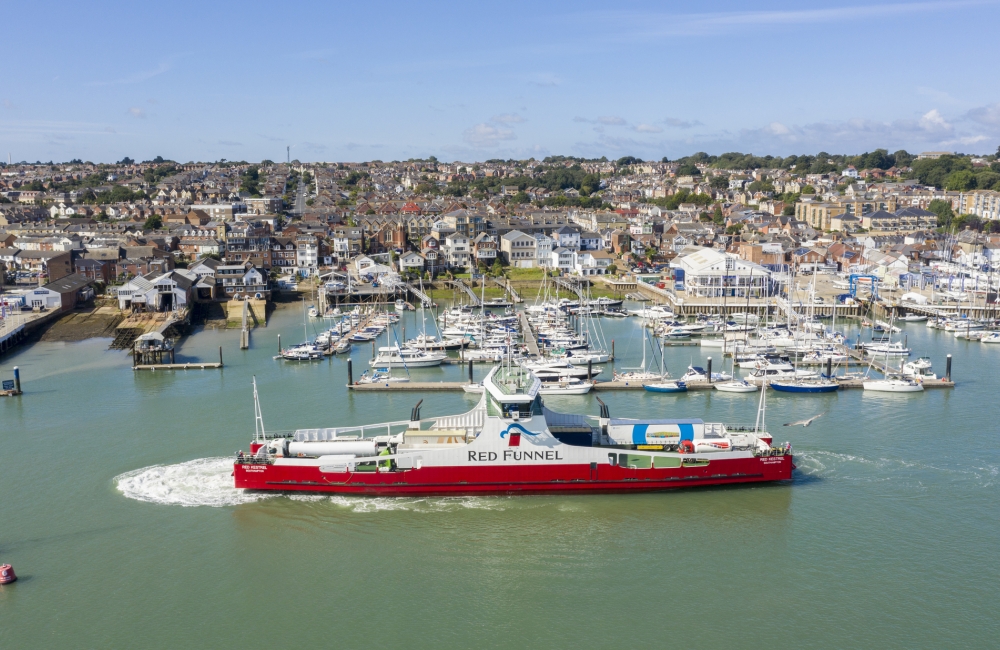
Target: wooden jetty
pixel 189 365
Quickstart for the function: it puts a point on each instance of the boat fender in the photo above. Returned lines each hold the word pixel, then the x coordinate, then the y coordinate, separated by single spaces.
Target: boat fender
pixel 685 447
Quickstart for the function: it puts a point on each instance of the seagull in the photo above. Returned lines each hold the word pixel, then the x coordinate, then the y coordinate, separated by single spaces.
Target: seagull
pixel 804 423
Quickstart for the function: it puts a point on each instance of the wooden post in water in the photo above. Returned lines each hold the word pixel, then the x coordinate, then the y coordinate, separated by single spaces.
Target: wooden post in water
pixel 350 373
pixel 829 367
pixel 373 348
pixel 279 343
pixel 708 373
pixel 470 371
pixel 173 357
pixel 947 371
pixel 220 356
pixel 612 349
pixel 17 377
pixel 590 369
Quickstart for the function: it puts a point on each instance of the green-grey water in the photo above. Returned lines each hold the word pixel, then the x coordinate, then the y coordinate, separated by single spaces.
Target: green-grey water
pixel 116 511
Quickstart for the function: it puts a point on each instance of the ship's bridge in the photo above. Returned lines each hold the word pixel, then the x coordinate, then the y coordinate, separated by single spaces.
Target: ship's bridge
pixel 512 392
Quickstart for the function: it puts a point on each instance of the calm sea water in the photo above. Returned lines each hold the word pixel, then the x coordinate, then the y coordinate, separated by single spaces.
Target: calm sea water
pixel 117 512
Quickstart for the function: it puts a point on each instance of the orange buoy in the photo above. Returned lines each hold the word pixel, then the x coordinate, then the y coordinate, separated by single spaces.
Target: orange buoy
pixel 7 574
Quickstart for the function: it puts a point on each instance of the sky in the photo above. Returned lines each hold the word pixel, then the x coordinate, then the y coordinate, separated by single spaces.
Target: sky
pixel 355 81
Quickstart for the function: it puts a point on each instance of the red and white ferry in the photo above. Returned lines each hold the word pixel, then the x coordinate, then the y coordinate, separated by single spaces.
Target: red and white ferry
pixel 510 443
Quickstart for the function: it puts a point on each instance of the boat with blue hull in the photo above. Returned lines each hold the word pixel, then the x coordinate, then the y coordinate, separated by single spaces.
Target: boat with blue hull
pixel 667 387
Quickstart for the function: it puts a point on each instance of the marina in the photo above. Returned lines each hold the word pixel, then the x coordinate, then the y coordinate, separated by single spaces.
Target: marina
pixel 848 481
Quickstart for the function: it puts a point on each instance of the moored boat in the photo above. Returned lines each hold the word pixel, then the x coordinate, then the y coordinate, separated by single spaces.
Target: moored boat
pixel 804 385
pixel 666 387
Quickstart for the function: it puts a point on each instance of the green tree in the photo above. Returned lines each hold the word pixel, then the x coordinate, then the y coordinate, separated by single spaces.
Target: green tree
pixel 612 269
pixel 808 189
pixel 717 217
pixel 153 222
pixel 734 229
pixel 719 182
pixel 943 210
pixel 960 181
pixel 520 197
pixel 497 268
pixel 688 169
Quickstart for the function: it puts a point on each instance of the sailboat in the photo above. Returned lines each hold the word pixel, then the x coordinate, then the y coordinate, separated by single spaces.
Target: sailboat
pixel 306 351
pixel 892 384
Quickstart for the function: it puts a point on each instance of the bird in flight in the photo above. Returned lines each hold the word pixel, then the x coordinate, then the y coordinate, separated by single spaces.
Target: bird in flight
pixel 804 423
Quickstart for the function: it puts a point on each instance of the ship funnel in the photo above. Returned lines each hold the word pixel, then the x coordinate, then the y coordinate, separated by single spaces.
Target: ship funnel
pixel 605 411
pixel 415 415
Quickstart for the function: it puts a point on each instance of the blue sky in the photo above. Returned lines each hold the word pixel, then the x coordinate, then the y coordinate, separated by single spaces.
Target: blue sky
pixel 394 80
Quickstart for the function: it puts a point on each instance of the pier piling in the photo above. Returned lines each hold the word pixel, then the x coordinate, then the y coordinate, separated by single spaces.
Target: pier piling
pixel 829 367
pixel 947 369
pixel 590 369
pixel 470 371
pixel 350 373
pixel 17 378
pixel 279 343
pixel 220 355
pixel 708 371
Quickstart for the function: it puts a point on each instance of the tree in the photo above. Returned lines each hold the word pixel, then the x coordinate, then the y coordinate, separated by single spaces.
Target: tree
pixel 717 217
pixel 719 182
pixel 125 161
pixel 153 222
pixel 960 181
pixel 688 169
pixel 734 229
pixel 497 268
pixel 521 197
pixel 808 189
pixel 612 269
pixel 943 210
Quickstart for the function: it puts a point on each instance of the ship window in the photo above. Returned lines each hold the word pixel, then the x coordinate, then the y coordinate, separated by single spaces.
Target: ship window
pixel 635 461
pixel 612 459
pixel 695 462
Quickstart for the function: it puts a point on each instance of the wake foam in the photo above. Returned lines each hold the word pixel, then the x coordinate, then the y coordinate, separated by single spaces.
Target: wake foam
pixel 200 482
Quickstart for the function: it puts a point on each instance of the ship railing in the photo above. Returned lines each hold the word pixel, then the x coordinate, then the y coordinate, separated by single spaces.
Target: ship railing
pixel 360 431
pixel 254 459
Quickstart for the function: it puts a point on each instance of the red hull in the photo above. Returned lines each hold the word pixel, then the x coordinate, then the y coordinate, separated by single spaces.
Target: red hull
pixel 508 479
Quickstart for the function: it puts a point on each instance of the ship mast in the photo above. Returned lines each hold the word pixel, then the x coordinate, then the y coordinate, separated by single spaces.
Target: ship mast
pixel 258 423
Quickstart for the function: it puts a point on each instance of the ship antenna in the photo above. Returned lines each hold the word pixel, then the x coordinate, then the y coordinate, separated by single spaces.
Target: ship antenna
pixel 258 423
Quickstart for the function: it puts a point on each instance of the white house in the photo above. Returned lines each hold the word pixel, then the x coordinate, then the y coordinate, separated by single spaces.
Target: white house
pixel 591 262
pixel 457 250
pixel 543 249
pixel 411 262
pixel 158 292
pixel 567 237
pixel 562 259
pixel 711 274
pixel 239 280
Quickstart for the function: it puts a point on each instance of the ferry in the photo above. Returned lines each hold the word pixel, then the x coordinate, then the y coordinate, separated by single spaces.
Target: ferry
pixel 510 443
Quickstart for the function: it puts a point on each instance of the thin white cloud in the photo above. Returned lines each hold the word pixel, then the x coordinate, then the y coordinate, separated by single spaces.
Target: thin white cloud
pixel 487 136
pixel 138 77
pixel 137 113
pixel 507 118
pixel 611 120
pixel 647 128
pixel 679 123
pixel 662 24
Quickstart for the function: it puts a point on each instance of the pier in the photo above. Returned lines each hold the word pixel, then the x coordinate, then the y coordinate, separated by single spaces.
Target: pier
pixel 459 284
pixel 529 335
pixel 506 286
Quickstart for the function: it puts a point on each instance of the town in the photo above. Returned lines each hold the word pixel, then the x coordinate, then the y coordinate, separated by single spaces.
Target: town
pixel 160 237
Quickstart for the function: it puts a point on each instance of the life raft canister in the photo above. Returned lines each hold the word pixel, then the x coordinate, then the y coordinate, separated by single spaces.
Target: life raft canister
pixel 7 574
pixel 686 447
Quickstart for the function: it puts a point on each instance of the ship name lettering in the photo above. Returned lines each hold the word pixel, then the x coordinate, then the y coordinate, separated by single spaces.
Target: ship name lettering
pixel 510 454
pixel 482 456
